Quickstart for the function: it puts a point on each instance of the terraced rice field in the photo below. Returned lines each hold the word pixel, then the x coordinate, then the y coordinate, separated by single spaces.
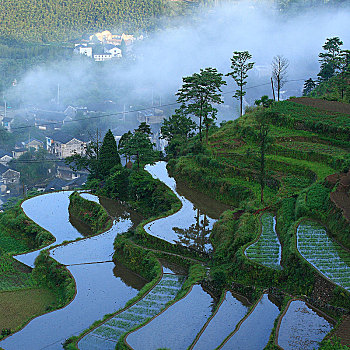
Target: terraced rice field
pixel 325 255
pixel 176 327
pixel 302 328
pixel 315 147
pixel 107 335
pixel 267 249
pixel 255 330
pixel 230 312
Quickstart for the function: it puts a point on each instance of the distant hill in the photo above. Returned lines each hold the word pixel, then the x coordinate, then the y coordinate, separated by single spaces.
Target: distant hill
pixel 61 20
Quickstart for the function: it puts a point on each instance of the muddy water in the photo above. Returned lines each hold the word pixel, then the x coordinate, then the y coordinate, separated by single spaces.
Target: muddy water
pixel 101 287
pixel 230 312
pixel 302 328
pixel 177 326
pixel 254 332
pixel 192 224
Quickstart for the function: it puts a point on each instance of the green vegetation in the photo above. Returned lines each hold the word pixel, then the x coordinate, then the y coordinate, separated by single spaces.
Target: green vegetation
pixel 54 276
pixel 15 227
pixel 65 20
pixel 89 212
pixel 267 250
pixel 324 254
pixel 18 307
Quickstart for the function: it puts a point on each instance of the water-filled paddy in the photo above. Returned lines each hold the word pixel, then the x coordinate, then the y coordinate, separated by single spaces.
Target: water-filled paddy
pixel 177 326
pixel 302 328
pixel 254 332
pixel 230 312
pixel 324 254
pixel 107 335
pixel 267 249
pixel 192 224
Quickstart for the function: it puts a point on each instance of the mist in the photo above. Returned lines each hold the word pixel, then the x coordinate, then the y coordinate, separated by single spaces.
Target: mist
pixel 208 40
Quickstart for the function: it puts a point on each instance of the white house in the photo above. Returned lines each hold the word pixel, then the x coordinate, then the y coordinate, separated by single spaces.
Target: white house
pixel 115 51
pixel 63 145
pixel 83 50
pixel 102 57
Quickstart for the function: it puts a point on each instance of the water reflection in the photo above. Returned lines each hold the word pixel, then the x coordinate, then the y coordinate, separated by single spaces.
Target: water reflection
pixel 197 235
pixel 191 225
pixel 130 278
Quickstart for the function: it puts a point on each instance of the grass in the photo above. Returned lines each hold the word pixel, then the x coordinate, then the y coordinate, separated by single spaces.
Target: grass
pixel 12 277
pixel 324 254
pixel 9 244
pixel 17 306
pixel 321 170
pixel 267 249
pixel 315 147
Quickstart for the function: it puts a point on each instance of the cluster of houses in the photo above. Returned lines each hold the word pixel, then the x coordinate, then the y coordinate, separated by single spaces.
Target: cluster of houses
pixel 59 146
pixel 105 46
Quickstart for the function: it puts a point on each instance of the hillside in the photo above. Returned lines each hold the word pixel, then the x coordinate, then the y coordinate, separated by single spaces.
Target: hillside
pixel 63 20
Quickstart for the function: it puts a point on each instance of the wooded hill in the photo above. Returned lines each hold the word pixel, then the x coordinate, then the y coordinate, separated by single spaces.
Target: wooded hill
pixel 49 20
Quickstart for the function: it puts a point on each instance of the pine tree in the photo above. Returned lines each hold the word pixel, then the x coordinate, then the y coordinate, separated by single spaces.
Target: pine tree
pixel 109 156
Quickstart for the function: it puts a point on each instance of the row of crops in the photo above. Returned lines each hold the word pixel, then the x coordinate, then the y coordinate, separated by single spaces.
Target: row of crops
pixel 107 335
pixel 325 255
pixel 267 249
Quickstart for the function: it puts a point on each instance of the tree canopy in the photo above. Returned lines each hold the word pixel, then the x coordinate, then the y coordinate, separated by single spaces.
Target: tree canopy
pixel 240 67
pixel 198 94
pixel 109 156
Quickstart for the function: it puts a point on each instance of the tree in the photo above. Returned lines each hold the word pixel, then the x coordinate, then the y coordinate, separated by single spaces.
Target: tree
pixel 109 156
pixel 264 101
pixel 178 125
pixel 34 166
pixel 344 70
pixel 240 68
pixel 279 72
pixel 309 85
pixel 140 146
pixel 329 59
pixel 198 94
pixel 144 128
pixel 264 140
pixel 123 141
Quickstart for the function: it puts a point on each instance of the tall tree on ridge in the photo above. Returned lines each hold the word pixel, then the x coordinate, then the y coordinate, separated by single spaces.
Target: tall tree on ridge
pixel 279 72
pixel 240 68
pixel 109 156
pixel 198 94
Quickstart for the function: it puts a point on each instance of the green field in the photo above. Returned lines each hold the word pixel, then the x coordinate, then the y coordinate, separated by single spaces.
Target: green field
pixel 324 254
pixel 267 249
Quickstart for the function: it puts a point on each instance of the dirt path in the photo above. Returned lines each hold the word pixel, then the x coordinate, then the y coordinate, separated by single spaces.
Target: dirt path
pixel 340 197
pixel 330 106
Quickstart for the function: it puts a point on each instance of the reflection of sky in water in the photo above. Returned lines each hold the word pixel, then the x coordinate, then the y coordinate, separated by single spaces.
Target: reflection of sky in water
pixel 176 327
pixel 302 328
pixel 189 226
pixel 101 288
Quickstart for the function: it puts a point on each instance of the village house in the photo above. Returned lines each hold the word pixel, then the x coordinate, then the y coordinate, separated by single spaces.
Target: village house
pixel 151 116
pixel 66 173
pixel 83 49
pixel 6 122
pixel 36 144
pixel 102 57
pixel 9 181
pixel 113 50
pixel 47 120
pixel 18 151
pixel 62 145
pixel 5 157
